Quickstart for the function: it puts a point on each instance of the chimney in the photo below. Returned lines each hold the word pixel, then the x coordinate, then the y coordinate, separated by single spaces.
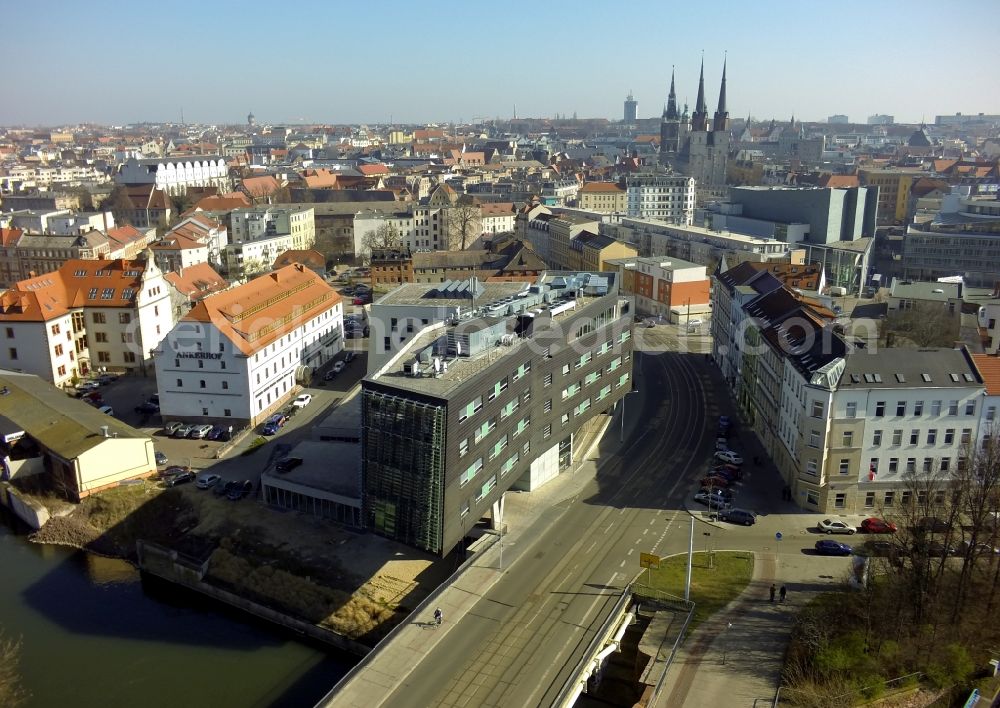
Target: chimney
pixel 104 431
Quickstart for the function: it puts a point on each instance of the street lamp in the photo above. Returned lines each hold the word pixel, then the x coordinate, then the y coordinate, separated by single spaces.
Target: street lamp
pixel 621 437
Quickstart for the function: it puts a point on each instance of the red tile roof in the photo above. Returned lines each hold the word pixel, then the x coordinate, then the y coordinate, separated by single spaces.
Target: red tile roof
pixel 989 369
pixel 197 282
pixel 259 312
pixel 309 256
pixel 600 187
pixel 9 237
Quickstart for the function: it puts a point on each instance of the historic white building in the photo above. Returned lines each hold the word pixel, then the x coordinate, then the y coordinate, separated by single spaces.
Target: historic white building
pixel 89 314
pixel 266 222
pixel 661 197
pixel 176 174
pixel 241 354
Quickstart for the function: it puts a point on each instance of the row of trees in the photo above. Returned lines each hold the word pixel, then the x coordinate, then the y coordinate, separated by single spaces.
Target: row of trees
pixel 930 600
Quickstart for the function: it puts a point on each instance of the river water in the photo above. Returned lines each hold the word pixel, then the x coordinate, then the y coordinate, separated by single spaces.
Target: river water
pixel 94 636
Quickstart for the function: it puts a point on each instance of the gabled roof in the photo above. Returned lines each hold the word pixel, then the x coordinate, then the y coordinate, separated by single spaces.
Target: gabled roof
pixel 309 257
pixel 263 310
pixel 9 237
pixel 601 187
pixel 917 368
pixel 839 181
pixel 124 235
pixel 989 370
pixel 497 209
pixel 373 170
pixel 224 202
pixel 804 341
pixel 196 282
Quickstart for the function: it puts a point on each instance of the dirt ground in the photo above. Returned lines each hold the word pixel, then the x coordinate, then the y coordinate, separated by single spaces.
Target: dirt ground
pixel 357 583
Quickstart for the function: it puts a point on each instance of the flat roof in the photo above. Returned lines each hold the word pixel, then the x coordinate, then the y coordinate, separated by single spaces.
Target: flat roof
pixel 332 467
pixel 417 294
pixel 937 367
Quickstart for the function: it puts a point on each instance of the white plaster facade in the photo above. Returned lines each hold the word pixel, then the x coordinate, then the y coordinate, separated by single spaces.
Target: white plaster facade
pixel 176 174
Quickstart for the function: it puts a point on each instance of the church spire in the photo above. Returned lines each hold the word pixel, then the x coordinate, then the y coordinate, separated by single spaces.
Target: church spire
pixel 721 120
pixel 699 119
pixel 671 110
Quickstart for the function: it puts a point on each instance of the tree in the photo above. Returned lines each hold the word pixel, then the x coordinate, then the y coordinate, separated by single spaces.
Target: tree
pixel 464 223
pixel 924 324
pixel 120 206
pixel 385 237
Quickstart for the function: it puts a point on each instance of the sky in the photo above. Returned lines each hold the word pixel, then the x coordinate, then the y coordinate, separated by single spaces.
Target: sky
pixel 380 61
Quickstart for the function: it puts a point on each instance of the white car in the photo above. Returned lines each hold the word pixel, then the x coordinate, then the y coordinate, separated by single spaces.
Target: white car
pixel 829 526
pixel 302 401
pixel 729 456
pixel 207 481
pixel 338 366
pixel 722 445
pixel 199 431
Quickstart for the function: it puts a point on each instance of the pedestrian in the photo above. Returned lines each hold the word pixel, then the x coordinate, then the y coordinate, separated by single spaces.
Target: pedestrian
pixel 438 616
pixel 784 591
pixel 772 592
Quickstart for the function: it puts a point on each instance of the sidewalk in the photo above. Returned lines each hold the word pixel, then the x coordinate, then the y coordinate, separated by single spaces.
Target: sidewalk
pixel 735 657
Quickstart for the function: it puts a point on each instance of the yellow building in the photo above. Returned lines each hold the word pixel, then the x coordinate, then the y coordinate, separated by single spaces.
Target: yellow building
pixel 590 252
pixel 603 197
pixel 893 191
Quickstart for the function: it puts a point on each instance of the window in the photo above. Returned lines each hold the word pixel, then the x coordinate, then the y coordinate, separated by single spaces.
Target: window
pixel 814 438
pixel 949 436
pixel 966 436
pixel 879 409
pixel 470 472
pixel 914 436
pixel 463 447
pixel 845 466
pixel 905 498
pixel 897 437
pixel 55 329
pixel 124 317
pixel 812 497
pixel 932 437
pixel 888 499
pixel 127 337
pixel 59 350
pixel 893 465
pixel 935 407
pixel 900 408
pixel 488 487
pixel 952 407
pixel 98 318
pixel 873 465
pixel 509 409
pixel 852 409
pixel 471 408
pixel 485 429
pixel 10 334
pixel 848 438
pixel 991 412
pixel 565 369
pixel 548 379
pixel 498 388
pixel 564 419
pixel 918 408
pixel 583 360
pixel 201 383
pixel 928 461
pixel 465 507
pixel 521 371
pixel 62 370
pixel 547 431
pixel 129 357
pixel 877 438
pixel 548 406
pixel 840 500
pixel 817 409
pixel 499 447
pixel 571 391
pixel 104 357
pixel 945 464
pixel 869 500
pixel 180 383
pixel 108 294
pixel 811 467
pixel 508 465
pixel 970 407
pixel 911 464
pixel 522 425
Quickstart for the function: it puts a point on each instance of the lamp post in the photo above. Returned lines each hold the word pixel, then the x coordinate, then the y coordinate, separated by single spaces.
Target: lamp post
pixel 621 437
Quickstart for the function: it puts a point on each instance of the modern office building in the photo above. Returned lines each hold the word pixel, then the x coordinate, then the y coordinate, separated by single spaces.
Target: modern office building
pixel 489 401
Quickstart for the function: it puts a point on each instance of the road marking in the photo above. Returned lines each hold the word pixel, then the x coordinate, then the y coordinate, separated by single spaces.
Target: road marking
pixel 621 511
pixel 645 532
pixel 630 551
pixel 622 564
pixel 591 547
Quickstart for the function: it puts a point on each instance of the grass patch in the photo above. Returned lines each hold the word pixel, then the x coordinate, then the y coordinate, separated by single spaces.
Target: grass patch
pixel 713 584
pixel 254 445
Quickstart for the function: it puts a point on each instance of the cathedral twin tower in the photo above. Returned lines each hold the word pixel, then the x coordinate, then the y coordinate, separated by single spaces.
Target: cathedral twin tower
pixel 690 145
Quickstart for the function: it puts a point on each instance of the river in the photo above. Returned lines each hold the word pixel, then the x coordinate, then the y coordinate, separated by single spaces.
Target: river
pixel 93 635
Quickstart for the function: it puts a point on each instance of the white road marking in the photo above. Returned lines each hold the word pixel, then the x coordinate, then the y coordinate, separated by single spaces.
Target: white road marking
pixel 594 543
pixel 645 532
pixel 622 564
pixel 630 551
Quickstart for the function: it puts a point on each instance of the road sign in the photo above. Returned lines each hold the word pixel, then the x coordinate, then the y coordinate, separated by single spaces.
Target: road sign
pixel 648 560
pixel 778 536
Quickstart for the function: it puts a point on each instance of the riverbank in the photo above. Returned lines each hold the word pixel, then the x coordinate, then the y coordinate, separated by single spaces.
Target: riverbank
pixel 305 568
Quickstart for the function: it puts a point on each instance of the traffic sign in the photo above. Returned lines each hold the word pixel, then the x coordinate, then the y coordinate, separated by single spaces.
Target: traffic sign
pixel 648 560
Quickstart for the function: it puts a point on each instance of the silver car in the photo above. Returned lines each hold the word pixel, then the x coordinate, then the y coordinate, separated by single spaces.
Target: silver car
pixel 199 431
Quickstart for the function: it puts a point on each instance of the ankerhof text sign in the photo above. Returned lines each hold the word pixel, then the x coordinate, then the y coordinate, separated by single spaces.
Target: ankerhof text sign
pixel 199 355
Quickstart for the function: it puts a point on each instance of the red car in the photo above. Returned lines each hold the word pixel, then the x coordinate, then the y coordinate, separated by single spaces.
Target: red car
pixel 715 481
pixel 874 525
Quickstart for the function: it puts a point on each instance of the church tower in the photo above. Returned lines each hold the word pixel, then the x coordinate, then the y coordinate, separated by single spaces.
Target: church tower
pixel 721 120
pixel 670 125
pixel 699 119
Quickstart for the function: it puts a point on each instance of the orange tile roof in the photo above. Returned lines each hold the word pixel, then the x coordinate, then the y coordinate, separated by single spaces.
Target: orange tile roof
pixel 373 170
pixel 497 208
pixel 197 281
pixel 840 181
pixel 989 369
pixel 8 237
pixel 77 283
pixel 598 187
pixel 261 186
pixel 257 313
pixel 309 256
pixel 225 202
pixel 122 235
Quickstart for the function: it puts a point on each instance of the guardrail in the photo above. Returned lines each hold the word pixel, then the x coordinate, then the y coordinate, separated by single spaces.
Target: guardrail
pixel 563 698
pixel 646 592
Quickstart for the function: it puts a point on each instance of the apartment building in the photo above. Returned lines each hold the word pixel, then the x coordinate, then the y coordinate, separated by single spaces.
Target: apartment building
pixel 374 226
pixel 24 256
pixel 602 197
pixel 88 314
pixel 239 355
pixel 661 197
pixel 673 288
pixel 492 401
pixel 264 222
pixel 497 217
pixel 894 187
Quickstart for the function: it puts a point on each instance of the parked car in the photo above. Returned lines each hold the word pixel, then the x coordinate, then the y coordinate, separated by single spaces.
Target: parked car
pixel 160 458
pixel 829 547
pixel 731 471
pixel 223 487
pixel 877 549
pixel 349 357
pixel 719 492
pixel 876 525
pixel 198 432
pixel 721 445
pixel 724 420
pixel 182 431
pixel 730 457
pixel 932 524
pixel 155 398
pixel 273 424
pixel 338 366
pixel 216 432
pixel 94 398
pixel 182 478
pixel 829 526
pixel 712 501
pixel 936 549
pixel 207 481
pixel 240 490
pixel 171 427
pixel 147 408
pixel 738 516
pixel 978 549
pixel 105 379
pixel 107 410
pixel 85 387
pixel 302 401
pixel 174 470
pixel 715 481
pixel 288 464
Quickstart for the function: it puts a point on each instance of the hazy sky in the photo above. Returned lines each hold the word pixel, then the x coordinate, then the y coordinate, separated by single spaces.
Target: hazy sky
pixel 351 62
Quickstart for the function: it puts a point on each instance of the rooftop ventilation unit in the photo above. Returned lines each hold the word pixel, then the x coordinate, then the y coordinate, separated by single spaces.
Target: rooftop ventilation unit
pixel 412 368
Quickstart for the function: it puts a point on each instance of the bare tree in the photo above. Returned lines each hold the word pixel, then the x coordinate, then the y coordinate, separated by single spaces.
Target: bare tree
pixel 924 324
pixel 464 222
pixel 385 237
pixel 120 206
